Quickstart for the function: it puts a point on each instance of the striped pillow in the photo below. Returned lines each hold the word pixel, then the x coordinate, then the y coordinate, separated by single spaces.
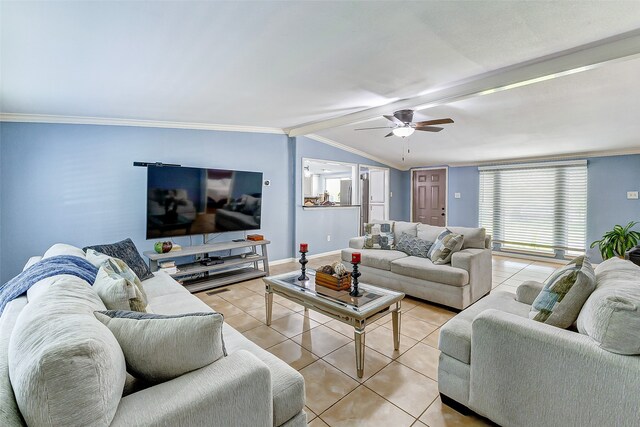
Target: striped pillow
pixel 445 246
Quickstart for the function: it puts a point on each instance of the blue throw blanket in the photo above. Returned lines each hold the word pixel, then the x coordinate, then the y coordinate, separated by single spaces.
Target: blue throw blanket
pixel 54 266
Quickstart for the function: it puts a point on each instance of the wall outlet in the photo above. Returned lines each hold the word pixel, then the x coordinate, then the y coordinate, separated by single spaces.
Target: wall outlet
pixel 456 195
pixel 632 195
pixel 328 237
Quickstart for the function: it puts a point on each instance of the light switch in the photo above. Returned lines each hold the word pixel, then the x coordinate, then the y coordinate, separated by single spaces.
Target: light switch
pixel 390 193
pixel 632 195
pixel 456 195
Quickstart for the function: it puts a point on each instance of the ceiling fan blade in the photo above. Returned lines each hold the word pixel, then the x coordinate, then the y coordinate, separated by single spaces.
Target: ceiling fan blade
pixel 382 127
pixel 429 128
pixel 404 116
pixel 434 122
pixel 388 135
pixel 392 119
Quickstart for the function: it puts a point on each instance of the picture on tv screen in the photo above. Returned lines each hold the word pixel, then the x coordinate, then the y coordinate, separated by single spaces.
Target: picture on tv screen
pixel 185 201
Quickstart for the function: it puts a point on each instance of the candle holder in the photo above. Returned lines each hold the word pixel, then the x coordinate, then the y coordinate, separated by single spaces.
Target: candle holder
pixel 303 262
pixel 355 292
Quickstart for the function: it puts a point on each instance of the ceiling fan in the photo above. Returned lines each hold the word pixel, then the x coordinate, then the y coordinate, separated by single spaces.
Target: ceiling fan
pixel 404 125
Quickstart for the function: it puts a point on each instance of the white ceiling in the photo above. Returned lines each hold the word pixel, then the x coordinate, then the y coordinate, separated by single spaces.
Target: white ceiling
pixel 281 64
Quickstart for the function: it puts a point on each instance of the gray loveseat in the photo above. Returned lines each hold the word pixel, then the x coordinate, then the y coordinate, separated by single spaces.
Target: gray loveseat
pixel 458 284
pixel 250 387
pixel 520 372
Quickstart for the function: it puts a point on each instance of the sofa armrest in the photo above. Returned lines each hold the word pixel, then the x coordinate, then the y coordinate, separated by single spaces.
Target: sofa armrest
pixel 478 263
pixel 525 372
pixel 356 242
pixel 528 291
pixel 235 389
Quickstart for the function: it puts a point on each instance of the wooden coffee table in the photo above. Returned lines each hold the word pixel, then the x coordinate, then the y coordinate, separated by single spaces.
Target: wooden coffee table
pixel 358 312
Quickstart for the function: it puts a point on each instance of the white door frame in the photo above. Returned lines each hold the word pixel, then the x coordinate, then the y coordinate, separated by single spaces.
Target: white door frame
pixel 387 188
pixel 446 193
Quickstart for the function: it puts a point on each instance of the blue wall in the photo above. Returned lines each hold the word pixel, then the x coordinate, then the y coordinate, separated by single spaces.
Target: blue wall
pixel 76 183
pixel 608 180
pixel 313 225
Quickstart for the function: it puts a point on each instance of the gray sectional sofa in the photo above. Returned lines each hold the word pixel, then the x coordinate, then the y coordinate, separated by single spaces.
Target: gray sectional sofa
pixel 250 387
pixel 458 284
pixel 520 372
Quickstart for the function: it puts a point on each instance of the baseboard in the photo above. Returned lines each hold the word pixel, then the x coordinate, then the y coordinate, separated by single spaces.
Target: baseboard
pixel 281 261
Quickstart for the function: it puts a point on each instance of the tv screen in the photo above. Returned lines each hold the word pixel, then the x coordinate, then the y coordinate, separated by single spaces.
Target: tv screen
pixel 184 201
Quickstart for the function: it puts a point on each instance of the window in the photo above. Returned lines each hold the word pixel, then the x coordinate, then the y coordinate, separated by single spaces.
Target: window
pixel 536 207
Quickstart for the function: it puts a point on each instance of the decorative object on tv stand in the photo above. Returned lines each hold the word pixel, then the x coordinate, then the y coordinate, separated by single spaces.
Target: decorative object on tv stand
pixel 163 247
pixel 617 241
pixel 304 248
pixel 355 260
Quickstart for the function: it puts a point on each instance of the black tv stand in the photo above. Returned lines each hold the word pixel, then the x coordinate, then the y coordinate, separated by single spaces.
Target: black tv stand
pixel 197 277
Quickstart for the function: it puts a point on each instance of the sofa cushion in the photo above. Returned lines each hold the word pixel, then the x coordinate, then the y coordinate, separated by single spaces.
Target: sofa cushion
pixel 374 258
pixel 378 236
pixel 473 237
pixel 455 335
pixel 611 315
pixel 160 347
pixel 63 249
pixel 402 227
pixel 126 251
pixel 445 246
pixel 413 246
pixel 66 368
pixel 428 232
pixel 9 412
pixel 564 294
pixel 425 269
pixel 162 284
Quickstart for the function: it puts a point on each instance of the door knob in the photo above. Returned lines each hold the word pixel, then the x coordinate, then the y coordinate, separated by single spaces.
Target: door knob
pixel 442 214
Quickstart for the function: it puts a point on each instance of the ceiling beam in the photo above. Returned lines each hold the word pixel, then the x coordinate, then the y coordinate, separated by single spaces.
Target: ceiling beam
pixel 586 57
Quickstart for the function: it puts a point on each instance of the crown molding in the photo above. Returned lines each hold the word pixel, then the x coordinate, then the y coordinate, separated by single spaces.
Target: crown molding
pixel 352 150
pixel 81 120
pixel 562 157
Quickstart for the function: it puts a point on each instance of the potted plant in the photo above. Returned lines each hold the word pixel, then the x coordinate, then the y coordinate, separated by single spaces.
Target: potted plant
pixel 617 241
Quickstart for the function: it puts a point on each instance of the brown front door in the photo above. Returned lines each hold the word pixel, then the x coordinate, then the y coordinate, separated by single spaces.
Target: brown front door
pixel 429 190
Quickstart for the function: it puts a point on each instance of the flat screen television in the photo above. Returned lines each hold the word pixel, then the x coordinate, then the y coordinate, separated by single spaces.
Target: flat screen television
pixel 184 201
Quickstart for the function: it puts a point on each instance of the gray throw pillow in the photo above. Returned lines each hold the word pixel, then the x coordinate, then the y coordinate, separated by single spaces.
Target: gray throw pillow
pixel 564 293
pixel 126 251
pixel 413 246
pixel 159 348
pixel 445 246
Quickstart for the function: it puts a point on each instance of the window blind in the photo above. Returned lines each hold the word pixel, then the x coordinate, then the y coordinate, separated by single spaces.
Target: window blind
pixel 536 207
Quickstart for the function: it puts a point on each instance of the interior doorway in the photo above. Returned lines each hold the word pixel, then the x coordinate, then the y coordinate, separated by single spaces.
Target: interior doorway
pixel 374 191
pixel 429 196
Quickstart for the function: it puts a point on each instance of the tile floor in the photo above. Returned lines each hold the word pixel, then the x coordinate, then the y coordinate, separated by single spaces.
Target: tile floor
pixel 399 388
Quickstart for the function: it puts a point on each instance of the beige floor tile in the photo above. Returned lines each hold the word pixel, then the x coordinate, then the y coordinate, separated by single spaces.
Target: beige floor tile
pixel 235 292
pixel 277 311
pixel 293 325
pixel 325 385
pixel 321 340
pixel 344 359
pixel 310 414
pixel 344 329
pixel 318 317
pixel 430 313
pixel 422 358
pixel 440 415
pixel 405 388
pixel 317 422
pixel 409 302
pixel 264 336
pixel 533 275
pixel 413 328
pixel 226 308
pixel 242 322
pixel 513 282
pixel 255 286
pixel 433 338
pixel 250 302
pixel 419 424
pixel 381 340
pixel 288 304
pixel 362 407
pixel 292 353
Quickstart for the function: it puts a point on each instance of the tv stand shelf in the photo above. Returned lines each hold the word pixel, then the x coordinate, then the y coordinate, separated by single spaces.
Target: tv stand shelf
pixel 232 269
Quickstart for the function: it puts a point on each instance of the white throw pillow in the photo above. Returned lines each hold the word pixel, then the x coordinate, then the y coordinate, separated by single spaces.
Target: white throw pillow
pixel 63 249
pixel 96 258
pixel 65 367
pixel 159 348
pixel 117 291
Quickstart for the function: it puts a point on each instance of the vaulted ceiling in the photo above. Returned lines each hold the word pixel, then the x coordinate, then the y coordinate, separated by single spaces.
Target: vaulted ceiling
pixel 286 64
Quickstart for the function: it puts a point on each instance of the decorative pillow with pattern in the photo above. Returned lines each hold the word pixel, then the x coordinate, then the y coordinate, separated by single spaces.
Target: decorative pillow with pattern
pixel 378 236
pixel 159 348
pixel 126 251
pixel 445 246
pixel 413 246
pixel 116 285
pixel 564 293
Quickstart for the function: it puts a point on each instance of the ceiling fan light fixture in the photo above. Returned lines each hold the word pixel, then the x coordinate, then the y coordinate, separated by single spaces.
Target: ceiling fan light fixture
pixel 403 131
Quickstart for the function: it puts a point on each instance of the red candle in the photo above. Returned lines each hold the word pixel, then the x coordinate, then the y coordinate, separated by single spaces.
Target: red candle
pixel 355 258
pixel 304 247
